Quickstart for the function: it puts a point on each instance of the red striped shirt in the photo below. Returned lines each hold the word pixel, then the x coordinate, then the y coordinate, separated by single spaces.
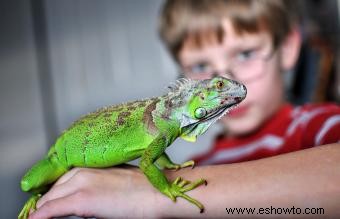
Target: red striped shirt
pixel 290 129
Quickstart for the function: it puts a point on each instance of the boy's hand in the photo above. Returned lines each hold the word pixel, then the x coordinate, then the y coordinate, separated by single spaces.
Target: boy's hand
pixel 101 193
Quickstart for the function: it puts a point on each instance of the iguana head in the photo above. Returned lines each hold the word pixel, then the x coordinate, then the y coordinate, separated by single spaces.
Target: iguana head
pixel 198 104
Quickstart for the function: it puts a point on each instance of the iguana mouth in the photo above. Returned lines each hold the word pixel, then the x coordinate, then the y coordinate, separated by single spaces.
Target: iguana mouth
pixel 218 113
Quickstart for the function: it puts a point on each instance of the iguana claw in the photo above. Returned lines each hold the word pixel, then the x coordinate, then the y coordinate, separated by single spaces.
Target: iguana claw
pixel 176 167
pixel 29 205
pixel 178 188
pixel 188 164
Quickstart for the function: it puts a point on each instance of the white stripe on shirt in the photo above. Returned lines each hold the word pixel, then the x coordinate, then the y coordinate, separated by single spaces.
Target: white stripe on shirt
pixel 330 122
pixel 271 142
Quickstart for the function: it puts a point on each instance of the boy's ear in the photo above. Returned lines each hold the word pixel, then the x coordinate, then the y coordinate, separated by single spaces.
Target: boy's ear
pixel 290 49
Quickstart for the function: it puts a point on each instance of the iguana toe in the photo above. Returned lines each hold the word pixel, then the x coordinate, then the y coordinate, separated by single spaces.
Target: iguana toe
pixel 179 186
pixel 29 205
pixel 189 163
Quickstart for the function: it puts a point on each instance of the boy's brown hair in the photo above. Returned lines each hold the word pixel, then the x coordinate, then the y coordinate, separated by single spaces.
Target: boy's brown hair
pixel 200 19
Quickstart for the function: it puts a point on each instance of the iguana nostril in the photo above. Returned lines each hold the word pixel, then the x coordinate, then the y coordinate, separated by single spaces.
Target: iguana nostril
pixel 238 99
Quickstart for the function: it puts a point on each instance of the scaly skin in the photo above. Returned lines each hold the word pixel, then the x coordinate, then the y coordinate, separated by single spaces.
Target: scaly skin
pixel 145 128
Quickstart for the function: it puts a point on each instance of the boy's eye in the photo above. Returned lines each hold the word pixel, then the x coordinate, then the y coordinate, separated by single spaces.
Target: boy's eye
pixel 245 55
pixel 200 68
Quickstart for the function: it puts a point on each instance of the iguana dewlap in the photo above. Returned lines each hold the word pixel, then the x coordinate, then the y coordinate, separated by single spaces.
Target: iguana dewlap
pixel 143 128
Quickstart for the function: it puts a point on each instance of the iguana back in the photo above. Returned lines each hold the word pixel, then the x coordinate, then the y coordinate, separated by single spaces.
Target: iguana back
pixel 109 136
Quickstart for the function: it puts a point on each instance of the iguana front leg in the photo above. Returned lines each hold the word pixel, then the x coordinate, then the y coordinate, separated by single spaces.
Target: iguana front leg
pixel 164 162
pixel 157 178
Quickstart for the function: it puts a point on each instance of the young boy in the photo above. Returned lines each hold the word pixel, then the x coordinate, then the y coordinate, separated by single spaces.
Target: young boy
pixel 253 42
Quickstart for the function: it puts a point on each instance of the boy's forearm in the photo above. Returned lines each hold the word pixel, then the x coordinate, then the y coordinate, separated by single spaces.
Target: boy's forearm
pixel 304 179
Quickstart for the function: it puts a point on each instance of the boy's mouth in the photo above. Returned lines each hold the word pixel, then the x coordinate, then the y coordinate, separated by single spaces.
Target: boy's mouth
pixel 238 111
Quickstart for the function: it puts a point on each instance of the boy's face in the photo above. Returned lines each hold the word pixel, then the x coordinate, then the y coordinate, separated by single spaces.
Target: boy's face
pixel 248 58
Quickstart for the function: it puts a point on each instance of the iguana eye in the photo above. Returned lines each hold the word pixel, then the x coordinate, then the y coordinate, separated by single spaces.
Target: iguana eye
pixel 219 84
pixel 202 96
pixel 200 113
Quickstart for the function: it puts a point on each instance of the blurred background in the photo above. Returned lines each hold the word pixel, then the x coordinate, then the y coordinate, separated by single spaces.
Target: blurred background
pixel 60 59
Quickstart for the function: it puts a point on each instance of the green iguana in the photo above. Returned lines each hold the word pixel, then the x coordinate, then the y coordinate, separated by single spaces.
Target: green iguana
pixel 143 128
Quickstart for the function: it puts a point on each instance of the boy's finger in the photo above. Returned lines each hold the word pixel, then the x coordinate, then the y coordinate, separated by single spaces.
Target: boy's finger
pixel 57 207
pixel 57 191
pixel 63 187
